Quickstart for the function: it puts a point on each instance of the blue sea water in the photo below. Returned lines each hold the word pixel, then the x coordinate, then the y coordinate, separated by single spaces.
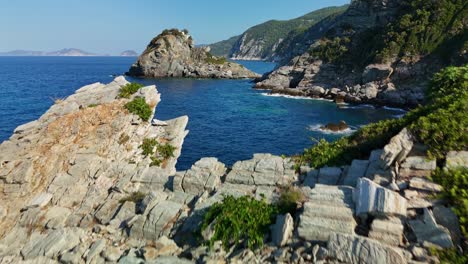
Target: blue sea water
pixel 227 118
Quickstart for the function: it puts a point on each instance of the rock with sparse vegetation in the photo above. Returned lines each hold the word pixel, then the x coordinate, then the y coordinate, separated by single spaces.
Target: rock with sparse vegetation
pixel 173 54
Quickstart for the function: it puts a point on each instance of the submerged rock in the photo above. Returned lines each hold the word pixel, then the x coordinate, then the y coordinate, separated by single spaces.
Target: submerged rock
pixel 341 126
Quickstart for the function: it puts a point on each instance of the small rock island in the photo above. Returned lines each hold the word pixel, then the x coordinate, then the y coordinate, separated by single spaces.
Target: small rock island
pixel 173 54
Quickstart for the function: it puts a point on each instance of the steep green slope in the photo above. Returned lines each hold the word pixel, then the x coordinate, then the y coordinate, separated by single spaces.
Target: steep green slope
pixel 223 48
pixel 261 41
pixel 421 28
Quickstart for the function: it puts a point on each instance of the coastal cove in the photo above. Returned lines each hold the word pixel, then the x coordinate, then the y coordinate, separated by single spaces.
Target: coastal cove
pixel 227 118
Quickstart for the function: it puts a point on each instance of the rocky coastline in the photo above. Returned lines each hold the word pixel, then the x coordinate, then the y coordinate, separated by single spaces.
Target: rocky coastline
pixel 173 54
pixel 80 185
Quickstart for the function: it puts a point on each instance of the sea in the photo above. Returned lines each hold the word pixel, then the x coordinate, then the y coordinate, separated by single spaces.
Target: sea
pixel 228 119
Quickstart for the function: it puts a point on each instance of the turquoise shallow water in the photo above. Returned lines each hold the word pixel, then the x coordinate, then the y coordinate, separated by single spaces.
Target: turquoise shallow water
pixel 228 119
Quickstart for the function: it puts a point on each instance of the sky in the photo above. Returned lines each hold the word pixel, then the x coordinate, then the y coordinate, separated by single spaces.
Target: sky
pixel 112 26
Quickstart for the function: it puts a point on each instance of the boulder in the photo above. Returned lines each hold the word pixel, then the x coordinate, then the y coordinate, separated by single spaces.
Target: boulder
pixel 456 159
pixel 356 249
pixel 328 210
pixel 397 150
pixel 387 230
pixel 426 229
pixel 341 126
pixel 424 185
pixel 374 199
pixel 369 91
pixel 376 72
pixel 445 217
pixel 419 163
pixel 356 171
pixel 329 175
pixel 282 230
pixel 263 169
pixel 205 175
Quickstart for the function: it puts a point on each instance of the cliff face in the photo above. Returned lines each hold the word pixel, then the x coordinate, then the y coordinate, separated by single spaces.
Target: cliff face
pixel 262 41
pixel 377 51
pixel 173 54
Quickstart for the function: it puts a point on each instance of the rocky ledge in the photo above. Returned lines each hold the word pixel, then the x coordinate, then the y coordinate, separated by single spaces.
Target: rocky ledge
pixel 80 185
pixel 173 54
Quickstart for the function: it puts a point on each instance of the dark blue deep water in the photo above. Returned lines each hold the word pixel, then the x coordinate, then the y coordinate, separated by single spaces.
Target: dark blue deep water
pixel 228 119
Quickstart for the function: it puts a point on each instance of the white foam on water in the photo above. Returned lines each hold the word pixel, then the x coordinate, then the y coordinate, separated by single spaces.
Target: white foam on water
pixel 316 128
pixel 295 97
pixel 394 109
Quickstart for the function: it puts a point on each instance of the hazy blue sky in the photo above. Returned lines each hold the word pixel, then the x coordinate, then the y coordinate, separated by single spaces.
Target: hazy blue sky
pixel 111 26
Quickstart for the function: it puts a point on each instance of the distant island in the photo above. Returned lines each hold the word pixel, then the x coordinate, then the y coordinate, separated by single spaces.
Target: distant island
pixel 129 53
pixel 67 52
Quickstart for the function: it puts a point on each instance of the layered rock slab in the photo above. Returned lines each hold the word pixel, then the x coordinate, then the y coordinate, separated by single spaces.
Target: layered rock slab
pixel 328 210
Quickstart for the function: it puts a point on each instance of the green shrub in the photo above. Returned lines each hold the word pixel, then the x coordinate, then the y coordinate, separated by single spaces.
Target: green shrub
pixel 135 197
pixel 148 146
pixel 331 50
pixel 129 89
pixel 444 129
pixel 441 125
pixel 449 256
pixel 140 108
pixel 289 200
pixel 239 219
pixel 92 105
pixel 455 183
pixel 166 151
pixel 155 162
pixel 449 81
pixel 215 60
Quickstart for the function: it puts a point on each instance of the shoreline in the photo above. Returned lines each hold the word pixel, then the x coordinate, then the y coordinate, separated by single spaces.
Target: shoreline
pixel 294 93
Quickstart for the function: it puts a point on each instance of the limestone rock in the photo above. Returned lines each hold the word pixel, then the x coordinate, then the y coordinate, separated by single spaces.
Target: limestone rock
pixel 52 244
pixel 357 170
pixel 173 54
pixel 374 72
pixel 95 249
pixel 282 230
pixel 329 175
pixel 40 201
pixel 419 163
pixel 426 229
pixel 398 148
pixel 205 175
pixel 456 159
pixel 424 185
pixel 445 217
pixel 263 169
pixel 355 249
pixel 373 199
pixel 328 209
pixel 387 230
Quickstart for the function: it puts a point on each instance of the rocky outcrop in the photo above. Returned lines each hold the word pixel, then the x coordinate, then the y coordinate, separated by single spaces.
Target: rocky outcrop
pixel 329 55
pixel 69 178
pixel 173 54
pixel 341 126
pixel 76 188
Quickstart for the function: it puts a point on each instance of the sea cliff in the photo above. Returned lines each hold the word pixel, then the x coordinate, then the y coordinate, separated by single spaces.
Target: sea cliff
pixel 173 54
